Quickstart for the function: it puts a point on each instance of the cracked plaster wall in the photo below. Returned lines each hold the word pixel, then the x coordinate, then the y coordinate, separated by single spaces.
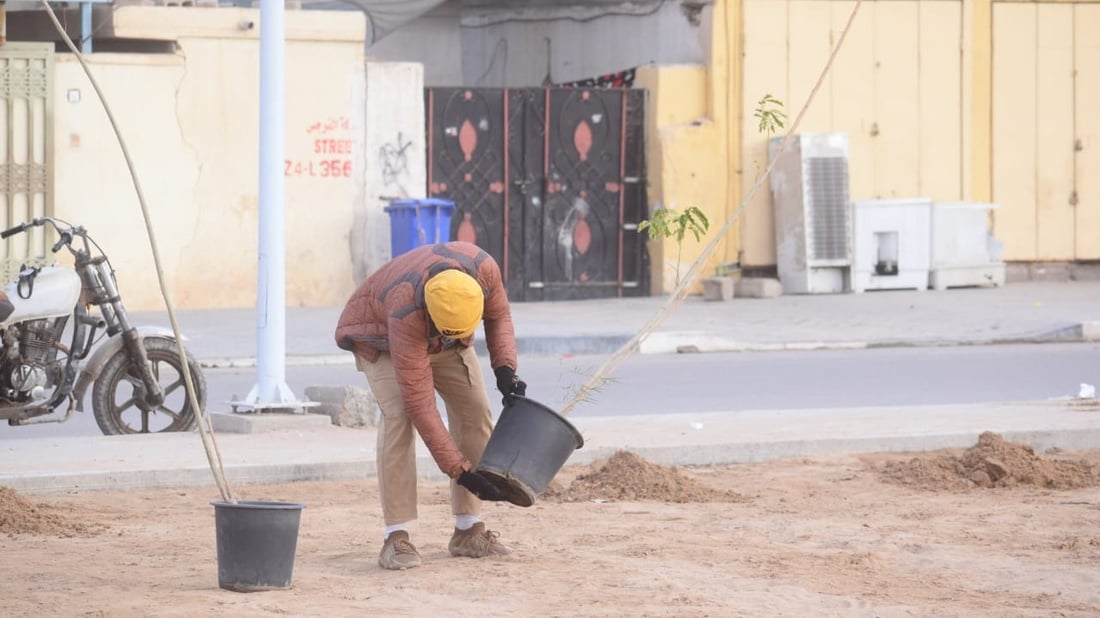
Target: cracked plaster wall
pixel 191 124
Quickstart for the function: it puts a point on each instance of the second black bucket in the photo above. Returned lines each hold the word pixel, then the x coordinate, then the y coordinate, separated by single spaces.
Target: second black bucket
pixel 256 544
pixel 528 446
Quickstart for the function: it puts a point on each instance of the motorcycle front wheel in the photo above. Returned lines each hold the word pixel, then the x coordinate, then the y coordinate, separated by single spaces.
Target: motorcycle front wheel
pixel 118 396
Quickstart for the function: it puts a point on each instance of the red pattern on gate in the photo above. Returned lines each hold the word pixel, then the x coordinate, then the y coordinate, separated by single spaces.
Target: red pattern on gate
pixel 467 139
pixel 466 231
pixel 582 236
pixel 582 139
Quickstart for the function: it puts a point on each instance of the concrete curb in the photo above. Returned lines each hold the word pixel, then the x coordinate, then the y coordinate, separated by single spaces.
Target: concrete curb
pixel 190 477
pixel 1082 331
pixel 1090 331
pixel 692 455
pixel 688 341
pixel 554 346
pixel 301 360
pixel 1067 334
pixel 679 342
pixel 752 452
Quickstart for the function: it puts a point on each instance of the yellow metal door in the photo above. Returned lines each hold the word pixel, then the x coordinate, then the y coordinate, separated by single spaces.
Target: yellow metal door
pixel 1087 134
pixel 765 72
pixel 897 87
pixel 894 89
pixel 1041 88
pixel 940 101
pixel 26 77
pixel 1054 121
pixel 854 88
pixel 1015 135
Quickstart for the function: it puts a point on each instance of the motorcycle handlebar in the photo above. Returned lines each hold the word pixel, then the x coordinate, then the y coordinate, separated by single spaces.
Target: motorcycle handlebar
pixel 66 238
pixel 22 227
pixel 66 234
pixel 14 230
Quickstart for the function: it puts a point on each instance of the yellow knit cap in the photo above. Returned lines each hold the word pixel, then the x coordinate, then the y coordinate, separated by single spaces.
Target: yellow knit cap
pixel 455 303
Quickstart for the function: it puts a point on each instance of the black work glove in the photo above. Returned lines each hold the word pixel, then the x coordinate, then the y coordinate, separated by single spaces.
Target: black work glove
pixel 509 384
pixel 480 486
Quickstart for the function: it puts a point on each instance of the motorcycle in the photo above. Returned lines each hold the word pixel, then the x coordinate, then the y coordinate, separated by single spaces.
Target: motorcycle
pixel 136 373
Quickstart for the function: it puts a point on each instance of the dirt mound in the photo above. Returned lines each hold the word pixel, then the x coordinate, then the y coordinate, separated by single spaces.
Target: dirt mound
pixel 626 477
pixel 20 516
pixel 992 462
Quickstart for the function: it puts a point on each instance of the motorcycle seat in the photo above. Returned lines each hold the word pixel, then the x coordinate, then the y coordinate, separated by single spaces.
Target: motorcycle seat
pixel 6 307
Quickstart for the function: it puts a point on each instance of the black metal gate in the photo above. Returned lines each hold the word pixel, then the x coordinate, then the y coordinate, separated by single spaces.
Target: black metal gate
pixel 550 182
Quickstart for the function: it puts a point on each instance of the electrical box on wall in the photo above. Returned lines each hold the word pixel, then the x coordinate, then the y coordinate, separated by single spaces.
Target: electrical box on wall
pixel 892 244
pixel 813 243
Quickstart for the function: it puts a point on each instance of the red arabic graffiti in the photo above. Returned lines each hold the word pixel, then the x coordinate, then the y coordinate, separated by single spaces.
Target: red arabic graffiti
pixel 328 168
pixel 339 123
pixel 328 165
pixel 331 146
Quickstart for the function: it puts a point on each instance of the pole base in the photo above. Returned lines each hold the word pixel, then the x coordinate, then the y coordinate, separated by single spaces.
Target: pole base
pixel 284 403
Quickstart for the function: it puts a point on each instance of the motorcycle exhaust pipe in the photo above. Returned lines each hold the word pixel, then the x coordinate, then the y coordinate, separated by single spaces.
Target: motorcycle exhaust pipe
pixel 56 417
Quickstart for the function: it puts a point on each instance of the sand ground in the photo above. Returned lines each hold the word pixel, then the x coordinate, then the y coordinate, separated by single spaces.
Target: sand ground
pixel 878 535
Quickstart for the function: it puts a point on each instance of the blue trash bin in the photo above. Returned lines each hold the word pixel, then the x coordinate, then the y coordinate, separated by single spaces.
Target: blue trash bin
pixel 418 222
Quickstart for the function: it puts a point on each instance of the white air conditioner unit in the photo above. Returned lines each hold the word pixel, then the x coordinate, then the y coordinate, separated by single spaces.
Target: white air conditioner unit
pixel 964 251
pixel 813 231
pixel 892 244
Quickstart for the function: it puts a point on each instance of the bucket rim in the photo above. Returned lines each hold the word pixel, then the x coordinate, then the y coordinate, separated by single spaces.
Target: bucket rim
pixel 545 408
pixel 259 504
pixel 428 204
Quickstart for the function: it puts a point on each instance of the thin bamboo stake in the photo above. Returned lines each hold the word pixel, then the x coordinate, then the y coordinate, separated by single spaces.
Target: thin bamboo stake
pixel 213 455
pixel 678 294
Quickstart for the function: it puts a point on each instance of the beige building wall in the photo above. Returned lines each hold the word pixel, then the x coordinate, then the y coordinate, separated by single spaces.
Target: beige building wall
pixel 190 121
pixel 982 100
pixel 691 155
pixel 683 147
pixel 390 115
pixel 985 100
pixel 895 88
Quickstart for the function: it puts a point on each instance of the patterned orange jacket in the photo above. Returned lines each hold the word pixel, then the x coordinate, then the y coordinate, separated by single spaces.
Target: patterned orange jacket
pixel 387 314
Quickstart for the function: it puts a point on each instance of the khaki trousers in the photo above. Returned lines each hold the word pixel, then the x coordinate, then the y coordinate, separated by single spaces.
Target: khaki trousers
pixel 458 379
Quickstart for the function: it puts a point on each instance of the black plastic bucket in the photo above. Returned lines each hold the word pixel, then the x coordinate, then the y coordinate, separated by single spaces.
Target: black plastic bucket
pixel 256 544
pixel 528 446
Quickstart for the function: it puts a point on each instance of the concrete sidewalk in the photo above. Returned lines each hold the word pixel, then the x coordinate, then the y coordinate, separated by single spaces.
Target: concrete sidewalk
pixel 306 447
pixel 300 452
pixel 1020 312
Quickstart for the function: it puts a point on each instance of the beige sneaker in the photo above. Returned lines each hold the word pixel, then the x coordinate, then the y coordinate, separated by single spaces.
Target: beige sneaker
pixel 398 553
pixel 477 542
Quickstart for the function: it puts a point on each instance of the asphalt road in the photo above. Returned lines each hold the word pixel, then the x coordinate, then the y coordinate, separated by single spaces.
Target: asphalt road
pixel 728 382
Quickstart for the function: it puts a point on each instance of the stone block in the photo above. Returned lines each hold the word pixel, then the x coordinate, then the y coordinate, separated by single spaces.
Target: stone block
pixel 1085 271
pixel 717 288
pixel 758 288
pixel 262 422
pixel 1050 271
pixel 347 406
pixel 1017 272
